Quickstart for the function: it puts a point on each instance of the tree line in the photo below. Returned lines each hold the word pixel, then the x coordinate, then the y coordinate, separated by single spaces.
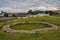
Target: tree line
pixel 31 12
pixel 52 13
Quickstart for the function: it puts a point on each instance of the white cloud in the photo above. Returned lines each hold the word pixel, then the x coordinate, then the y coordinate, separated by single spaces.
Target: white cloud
pixel 24 5
pixel 8 9
pixel 44 8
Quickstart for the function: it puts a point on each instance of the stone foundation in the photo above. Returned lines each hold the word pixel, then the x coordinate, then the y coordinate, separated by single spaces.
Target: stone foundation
pixel 8 28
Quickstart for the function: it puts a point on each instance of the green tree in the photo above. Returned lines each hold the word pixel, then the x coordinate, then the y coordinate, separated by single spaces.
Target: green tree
pixel 46 12
pixel 49 12
pixel 5 14
pixel 30 12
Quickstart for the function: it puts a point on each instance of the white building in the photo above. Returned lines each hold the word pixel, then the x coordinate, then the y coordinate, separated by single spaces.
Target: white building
pixel 42 14
pixel 1 14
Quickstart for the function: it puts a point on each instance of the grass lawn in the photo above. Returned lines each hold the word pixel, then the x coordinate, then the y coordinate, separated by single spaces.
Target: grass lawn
pixel 28 27
pixel 50 19
pixel 49 35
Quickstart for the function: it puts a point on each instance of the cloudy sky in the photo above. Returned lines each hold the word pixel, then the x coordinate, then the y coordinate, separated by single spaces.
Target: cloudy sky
pixel 25 5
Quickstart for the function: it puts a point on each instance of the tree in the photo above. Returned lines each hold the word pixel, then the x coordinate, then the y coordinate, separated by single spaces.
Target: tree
pixel 5 14
pixel 30 12
pixel 49 12
pixel 46 12
pixel 14 15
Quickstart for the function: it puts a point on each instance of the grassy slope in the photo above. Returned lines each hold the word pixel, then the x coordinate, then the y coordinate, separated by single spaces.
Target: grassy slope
pixel 50 35
pixel 49 19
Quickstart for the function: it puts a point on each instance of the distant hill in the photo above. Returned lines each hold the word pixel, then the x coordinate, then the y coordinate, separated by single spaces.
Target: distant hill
pixel 38 11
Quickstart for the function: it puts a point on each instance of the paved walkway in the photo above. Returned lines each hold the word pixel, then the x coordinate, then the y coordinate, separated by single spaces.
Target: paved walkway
pixel 8 29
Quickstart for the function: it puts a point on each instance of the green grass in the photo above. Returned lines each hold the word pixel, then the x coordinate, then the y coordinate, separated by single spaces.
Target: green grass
pixel 49 35
pixel 50 19
pixel 28 27
pixel 1 25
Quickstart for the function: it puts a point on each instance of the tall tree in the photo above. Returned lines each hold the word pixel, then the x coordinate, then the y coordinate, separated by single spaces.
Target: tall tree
pixel 30 12
pixel 49 12
pixel 46 12
pixel 5 14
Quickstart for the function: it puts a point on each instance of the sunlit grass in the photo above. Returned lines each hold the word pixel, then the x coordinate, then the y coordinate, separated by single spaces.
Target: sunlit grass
pixel 49 35
pixel 28 27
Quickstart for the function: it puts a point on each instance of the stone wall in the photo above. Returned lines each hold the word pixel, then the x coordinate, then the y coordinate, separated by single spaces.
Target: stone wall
pixel 8 28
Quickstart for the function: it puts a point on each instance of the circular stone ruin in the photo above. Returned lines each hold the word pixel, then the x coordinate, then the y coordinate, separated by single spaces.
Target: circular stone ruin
pixel 9 28
pixel 29 25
